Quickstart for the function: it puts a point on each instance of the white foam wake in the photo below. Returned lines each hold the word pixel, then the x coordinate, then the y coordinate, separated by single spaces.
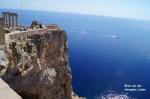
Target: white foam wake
pixel 84 33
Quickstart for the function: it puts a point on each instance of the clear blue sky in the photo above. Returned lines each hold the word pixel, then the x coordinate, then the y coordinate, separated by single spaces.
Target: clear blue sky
pixel 119 8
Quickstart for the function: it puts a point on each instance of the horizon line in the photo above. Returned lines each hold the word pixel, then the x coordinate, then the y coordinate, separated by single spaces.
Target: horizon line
pixel 97 15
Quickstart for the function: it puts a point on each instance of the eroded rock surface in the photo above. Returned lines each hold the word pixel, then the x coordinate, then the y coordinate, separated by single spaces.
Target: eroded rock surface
pixel 3 62
pixel 36 64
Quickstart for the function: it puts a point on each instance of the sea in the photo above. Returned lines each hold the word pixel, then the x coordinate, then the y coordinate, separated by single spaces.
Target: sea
pixel 106 54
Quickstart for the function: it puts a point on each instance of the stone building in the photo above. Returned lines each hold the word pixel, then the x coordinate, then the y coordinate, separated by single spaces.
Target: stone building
pixel 10 19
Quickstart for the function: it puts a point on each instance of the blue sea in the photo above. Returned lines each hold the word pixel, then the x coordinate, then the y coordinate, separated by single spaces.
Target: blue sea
pixel 106 53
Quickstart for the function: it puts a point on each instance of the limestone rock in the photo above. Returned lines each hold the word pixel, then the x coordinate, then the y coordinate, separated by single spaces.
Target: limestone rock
pixel 38 65
pixel 75 96
pixel 3 62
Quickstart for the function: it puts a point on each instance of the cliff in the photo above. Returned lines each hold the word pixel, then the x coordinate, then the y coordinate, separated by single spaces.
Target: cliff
pixel 35 64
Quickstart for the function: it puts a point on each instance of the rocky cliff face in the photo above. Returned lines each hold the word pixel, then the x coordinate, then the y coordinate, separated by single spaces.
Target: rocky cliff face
pixel 35 64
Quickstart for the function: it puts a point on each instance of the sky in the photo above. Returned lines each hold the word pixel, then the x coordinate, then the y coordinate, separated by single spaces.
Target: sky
pixel 136 9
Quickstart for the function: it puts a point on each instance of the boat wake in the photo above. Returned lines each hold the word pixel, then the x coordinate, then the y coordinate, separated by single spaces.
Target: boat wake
pixel 85 33
pixel 111 36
